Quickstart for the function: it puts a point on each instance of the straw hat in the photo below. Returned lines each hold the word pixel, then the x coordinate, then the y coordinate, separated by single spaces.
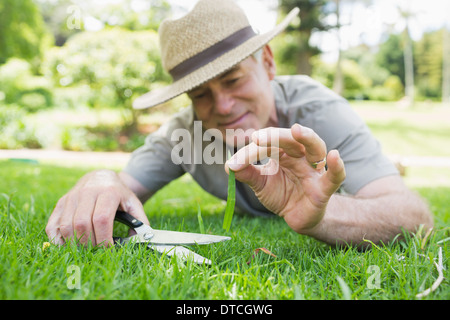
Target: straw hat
pixel 215 36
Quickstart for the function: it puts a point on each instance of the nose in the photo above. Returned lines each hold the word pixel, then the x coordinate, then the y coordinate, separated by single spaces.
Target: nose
pixel 223 102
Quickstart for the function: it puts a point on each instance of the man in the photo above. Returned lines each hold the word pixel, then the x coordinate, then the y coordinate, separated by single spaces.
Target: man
pixel 345 195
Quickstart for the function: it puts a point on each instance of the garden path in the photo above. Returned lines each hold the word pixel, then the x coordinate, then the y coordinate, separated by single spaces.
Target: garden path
pixel 119 159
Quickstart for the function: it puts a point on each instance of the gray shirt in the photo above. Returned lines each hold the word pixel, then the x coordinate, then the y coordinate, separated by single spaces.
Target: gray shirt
pixel 298 99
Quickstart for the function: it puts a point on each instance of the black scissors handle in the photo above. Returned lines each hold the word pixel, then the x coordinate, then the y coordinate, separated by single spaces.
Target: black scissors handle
pixel 128 220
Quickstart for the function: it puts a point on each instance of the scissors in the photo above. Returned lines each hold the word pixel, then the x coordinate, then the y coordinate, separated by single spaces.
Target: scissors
pixel 167 242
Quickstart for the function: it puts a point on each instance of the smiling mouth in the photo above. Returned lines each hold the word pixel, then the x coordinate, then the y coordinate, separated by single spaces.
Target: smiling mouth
pixel 233 122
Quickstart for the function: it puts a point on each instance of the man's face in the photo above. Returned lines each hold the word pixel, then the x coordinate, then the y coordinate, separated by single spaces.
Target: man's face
pixel 241 98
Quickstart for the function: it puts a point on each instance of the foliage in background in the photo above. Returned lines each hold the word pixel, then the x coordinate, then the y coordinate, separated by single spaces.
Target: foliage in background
pixel 298 50
pixel 108 68
pixel 296 54
pixel 65 18
pixel 16 132
pixel 20 86
pixel 364 79
pixel 374 74
pixel 116 64
pixel 23 33
pixel 428 55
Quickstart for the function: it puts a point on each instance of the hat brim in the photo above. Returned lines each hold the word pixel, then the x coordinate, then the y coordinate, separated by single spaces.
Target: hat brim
pixel 212 69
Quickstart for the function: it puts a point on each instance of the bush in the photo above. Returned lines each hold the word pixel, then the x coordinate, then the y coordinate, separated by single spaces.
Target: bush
pixel 358 85
pixel 21 87
pixel 117 65
pixel 391 90
pixel 323 72
pixel 355 82
pixel 16 131
pixel 74 139
pixel 99 139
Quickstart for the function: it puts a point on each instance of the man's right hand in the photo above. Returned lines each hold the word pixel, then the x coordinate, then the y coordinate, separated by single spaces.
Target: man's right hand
pixel 89 208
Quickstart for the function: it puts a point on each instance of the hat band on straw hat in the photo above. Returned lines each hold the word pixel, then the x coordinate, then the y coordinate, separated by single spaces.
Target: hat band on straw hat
pixel 210 54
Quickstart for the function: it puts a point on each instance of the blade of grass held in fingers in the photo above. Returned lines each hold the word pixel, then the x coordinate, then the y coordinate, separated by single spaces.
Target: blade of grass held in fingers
pixel 231 199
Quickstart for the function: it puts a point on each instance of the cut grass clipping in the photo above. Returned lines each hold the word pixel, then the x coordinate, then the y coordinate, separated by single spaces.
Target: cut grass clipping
pixel 231 199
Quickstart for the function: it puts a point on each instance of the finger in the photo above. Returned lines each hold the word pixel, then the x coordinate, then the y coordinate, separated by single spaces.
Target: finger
pixel 134 207
pixel 315 148
pixel 103 217
pixel 250 154
pixel 52 228
pixel 82 220
pixel 66 219
pixel 255 176
pixel 281 138
pixel 335 175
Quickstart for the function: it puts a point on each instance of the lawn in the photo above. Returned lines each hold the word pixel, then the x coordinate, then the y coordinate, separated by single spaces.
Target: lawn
pixel 422 130
pixel 302 267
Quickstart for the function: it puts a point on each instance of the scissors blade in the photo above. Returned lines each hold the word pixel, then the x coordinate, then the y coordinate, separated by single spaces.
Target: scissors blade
pixel 165 237
pixel 181 252
pixel 147 234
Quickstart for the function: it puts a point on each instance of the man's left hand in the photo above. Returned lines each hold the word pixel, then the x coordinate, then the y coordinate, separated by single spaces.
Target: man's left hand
pixel 294 184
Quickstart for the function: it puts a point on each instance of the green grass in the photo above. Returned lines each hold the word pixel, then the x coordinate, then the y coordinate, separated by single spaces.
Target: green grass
pixel 423 130
pixel 302 269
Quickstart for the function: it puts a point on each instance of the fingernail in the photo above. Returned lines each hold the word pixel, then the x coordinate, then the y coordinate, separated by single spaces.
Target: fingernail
pixel 296 127
pixel 233 165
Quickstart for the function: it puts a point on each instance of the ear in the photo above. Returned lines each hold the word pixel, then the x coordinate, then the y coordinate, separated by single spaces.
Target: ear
pixel 269 62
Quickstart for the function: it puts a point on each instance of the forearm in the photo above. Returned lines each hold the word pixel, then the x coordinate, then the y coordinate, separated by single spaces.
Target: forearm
pixel 351 220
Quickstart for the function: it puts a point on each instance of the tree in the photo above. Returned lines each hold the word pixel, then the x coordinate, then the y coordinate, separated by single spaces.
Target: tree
pixel 57 14
pixel 408 55
pixel 428 58
pixel 127 14
pixel 312 13
pixel 390 57
pixel 22 31
pixel 446 66
pixel 338 84
pixel 407 14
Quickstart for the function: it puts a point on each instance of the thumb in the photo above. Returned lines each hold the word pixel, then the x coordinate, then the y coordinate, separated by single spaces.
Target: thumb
pixel 134 207
pixel 253 175
pixel 335 175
